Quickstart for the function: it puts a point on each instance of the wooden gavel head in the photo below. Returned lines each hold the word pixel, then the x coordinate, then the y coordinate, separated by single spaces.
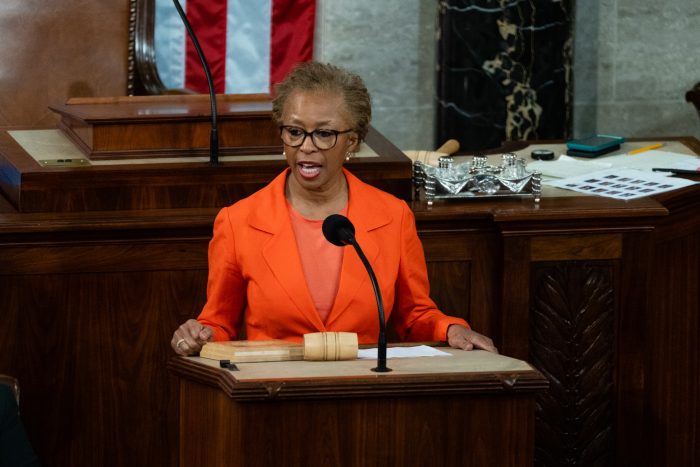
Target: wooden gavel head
pixel 330 346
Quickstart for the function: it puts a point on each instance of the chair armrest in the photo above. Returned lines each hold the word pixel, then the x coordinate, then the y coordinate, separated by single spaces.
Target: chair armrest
pixel 13 383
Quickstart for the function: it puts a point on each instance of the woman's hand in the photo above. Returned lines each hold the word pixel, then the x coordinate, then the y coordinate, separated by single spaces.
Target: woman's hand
pixel 463 338
pixel 189 338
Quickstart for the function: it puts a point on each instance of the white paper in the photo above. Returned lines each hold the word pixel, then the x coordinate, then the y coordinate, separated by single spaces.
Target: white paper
pixel 648 160
pixel 685 165
pixel 566 166
pixel 622 183
pixel 403 352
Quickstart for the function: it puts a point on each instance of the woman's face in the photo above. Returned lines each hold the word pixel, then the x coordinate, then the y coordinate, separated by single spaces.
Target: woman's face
pixel 314 169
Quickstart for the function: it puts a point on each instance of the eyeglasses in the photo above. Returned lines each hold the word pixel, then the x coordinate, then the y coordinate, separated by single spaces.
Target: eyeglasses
pixel 323 139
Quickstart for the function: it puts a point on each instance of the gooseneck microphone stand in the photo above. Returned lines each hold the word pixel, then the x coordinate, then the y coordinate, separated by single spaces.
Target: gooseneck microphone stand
pixel 340 232
pixel 214 135
pixel 381 344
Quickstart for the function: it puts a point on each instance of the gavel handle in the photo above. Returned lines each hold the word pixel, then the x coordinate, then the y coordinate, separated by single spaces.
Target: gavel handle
pixel 450 146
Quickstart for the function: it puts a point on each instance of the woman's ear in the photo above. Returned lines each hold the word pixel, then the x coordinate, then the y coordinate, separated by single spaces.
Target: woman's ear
pixel 353 143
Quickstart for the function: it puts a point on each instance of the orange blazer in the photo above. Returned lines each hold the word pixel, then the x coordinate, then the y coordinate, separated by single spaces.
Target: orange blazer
pixel 256 277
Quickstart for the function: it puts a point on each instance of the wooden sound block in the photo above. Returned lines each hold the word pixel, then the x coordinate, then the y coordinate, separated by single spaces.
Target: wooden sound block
pixel 253 351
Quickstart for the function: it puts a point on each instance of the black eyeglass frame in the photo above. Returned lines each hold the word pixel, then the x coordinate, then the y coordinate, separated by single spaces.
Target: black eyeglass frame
pixel 313 138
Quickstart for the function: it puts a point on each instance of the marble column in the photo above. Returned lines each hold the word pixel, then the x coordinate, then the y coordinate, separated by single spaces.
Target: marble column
pixel 504 71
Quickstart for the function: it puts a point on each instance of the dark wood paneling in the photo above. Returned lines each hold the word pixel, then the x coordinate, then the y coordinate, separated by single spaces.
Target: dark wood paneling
pixel 355 432
pixel 632 286
pixel 87 318
pixel 59 49
pixel 450 286
pixel 514 289
pixel 462 273
pixel 98 257
pixel 673 350
pixel 91 361
pixel 572 341
pixel 552 248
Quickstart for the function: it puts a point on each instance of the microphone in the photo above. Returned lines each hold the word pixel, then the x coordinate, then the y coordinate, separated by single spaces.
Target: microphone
pixel 340 232
pixel 214 135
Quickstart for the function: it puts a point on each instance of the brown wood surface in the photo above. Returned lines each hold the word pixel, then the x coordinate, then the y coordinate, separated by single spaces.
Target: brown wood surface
pixel 33 188
pixel 413 427
pixel 90 300
pixel 672 327
pixel 360 386
pixel 87 316
pixel 169 126
pixel 60 49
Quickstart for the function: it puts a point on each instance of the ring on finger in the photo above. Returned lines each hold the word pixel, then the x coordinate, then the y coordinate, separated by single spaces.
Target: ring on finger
pixel 179 342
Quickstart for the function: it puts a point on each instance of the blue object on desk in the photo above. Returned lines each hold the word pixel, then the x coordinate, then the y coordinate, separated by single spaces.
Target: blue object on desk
pixel 595 144
pixel 589 154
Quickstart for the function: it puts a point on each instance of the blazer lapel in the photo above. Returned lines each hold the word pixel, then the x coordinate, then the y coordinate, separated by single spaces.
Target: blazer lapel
pixel 280 251
pixel 366 217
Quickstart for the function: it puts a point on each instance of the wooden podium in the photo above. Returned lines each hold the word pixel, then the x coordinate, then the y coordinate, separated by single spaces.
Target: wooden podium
pixel 473 408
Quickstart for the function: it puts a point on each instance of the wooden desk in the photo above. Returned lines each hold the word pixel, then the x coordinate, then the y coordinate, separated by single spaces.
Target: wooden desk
pixel 90 301
pixel 472 408
pixel 602 296
pixel 159 182
pixel 152 152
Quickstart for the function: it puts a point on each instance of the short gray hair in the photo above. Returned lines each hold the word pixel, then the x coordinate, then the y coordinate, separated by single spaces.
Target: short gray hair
pixel 315 76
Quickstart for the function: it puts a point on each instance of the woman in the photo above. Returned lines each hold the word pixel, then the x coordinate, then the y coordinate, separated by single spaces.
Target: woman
pixel 271 269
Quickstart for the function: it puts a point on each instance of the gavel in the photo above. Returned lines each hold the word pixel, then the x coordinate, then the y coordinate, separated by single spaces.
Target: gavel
pixel 330 346
pixel 317 346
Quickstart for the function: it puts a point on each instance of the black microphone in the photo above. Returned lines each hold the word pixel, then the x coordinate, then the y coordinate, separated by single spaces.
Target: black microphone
pixel 214 135
pixel 339 231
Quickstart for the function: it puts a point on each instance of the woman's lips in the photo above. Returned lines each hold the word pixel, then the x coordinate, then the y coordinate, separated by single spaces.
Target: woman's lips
pixel 308 170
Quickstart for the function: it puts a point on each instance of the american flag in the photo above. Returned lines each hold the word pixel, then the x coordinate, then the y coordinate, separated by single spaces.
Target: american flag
pixel 249 44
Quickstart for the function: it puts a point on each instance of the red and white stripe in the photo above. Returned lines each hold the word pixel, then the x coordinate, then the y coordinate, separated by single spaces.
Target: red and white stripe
pixel 250 44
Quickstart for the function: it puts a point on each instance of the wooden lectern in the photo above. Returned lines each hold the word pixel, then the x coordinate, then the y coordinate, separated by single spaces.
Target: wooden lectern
pixel 151 152
pixel 471 408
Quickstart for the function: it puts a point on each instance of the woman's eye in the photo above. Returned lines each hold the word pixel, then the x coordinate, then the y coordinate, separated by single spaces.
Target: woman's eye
pixel 295 132
pixel 324 133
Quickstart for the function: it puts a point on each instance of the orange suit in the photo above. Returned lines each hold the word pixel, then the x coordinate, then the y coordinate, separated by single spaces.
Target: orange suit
pixel 255 273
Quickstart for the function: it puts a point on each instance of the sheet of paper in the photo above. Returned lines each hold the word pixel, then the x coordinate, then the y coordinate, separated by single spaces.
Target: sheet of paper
pixel 647 160
pixel 685 165
pixel 403 352
pixel 622 183
pixel 566 166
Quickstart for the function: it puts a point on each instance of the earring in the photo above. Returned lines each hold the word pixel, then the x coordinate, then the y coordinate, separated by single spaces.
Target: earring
pixel 348 156
pixel 284 154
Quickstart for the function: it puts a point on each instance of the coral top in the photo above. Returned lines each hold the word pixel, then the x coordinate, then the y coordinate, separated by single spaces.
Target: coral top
pixel 320 260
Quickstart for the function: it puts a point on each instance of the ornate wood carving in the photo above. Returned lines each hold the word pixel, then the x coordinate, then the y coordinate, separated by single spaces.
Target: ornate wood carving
pixel 143 77
pixel 131 58
pixel 571 342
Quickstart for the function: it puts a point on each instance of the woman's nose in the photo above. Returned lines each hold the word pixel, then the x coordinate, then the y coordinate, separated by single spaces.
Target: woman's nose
pixel 308 144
